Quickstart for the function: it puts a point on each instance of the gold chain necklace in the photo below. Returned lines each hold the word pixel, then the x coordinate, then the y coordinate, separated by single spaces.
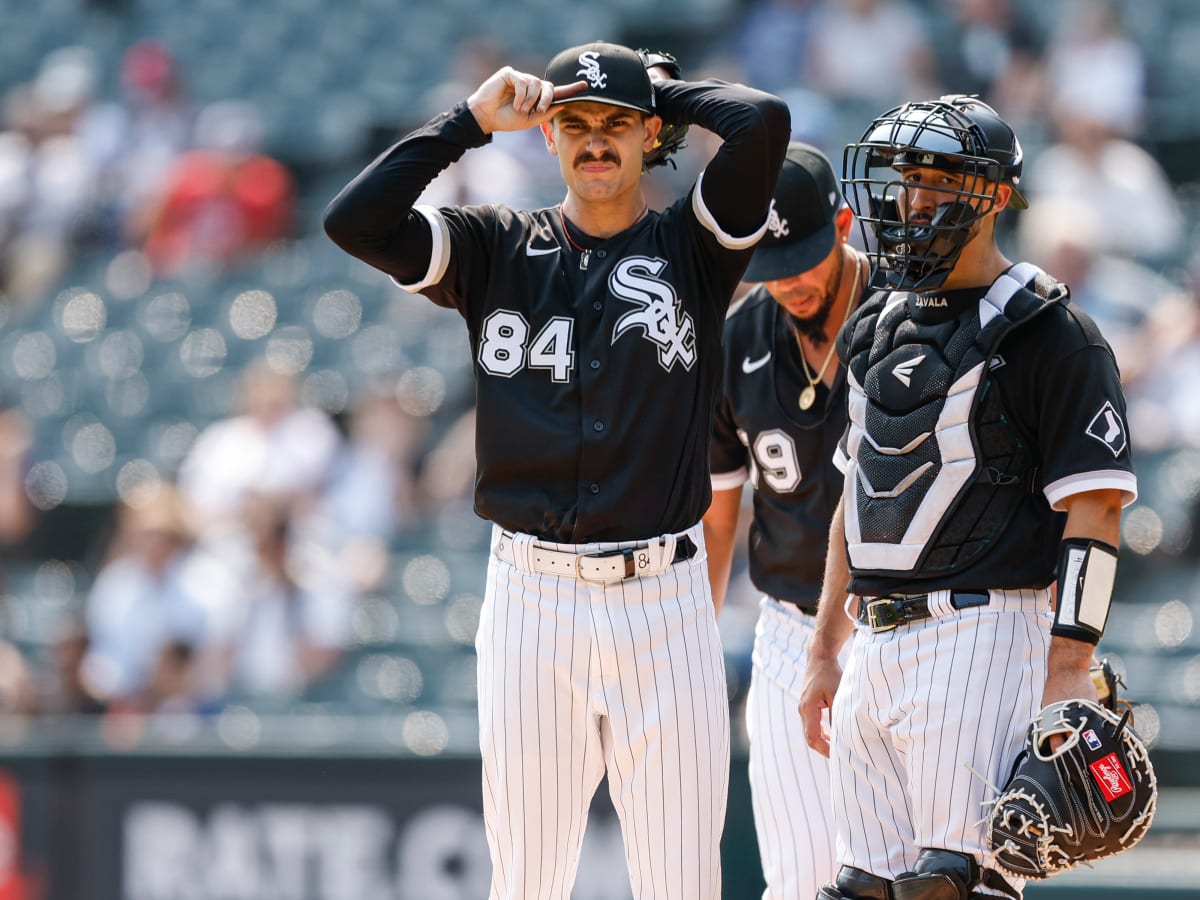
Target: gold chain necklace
pixel 808 396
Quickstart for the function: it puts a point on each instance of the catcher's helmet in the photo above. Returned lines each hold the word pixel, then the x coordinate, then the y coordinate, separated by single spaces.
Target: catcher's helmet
pixel 955 133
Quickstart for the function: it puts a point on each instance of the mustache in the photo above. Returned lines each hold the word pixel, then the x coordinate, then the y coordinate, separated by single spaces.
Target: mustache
pixel 606 157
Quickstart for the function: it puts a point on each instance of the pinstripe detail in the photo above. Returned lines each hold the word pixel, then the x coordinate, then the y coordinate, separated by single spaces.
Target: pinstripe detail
pixel 915 710
pixel 578 678
pixel 789 783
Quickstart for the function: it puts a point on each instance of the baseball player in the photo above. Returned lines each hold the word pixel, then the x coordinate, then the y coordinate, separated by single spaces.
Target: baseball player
pixel 595 329
pixel 782 411
pixel 987 462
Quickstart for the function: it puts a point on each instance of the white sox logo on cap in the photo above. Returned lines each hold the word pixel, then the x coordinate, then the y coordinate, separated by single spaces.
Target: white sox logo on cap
pixel 777 224
pixel 591 69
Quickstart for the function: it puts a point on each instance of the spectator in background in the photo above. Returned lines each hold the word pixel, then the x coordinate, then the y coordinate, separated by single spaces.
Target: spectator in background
pixel 221 203
pixel 771 42
pixel 283 629
pixel 1095 69
pixel 990 48
pixel 1117 185
pixel 873 52
pixel 138 603
pixel 48 182
pixel 138 137
pixel 370 495
pixel 273 445
pixel 1121 294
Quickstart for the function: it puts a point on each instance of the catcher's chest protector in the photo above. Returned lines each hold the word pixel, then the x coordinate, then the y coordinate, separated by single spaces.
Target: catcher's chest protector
pixel 935 472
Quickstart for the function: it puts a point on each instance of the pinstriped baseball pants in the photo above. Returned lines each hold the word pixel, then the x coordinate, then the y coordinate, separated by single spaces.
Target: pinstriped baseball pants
pixel 577 679
pixel 917 709
pixel 789 783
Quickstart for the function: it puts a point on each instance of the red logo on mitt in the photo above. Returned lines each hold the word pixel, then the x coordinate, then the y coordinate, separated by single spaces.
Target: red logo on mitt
pixel 1111 777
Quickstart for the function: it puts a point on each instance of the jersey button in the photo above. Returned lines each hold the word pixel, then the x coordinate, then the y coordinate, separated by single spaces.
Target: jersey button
pixel 597 306
pixel 598 425
pixel 600 254
pixel 595 488
pixel 595 363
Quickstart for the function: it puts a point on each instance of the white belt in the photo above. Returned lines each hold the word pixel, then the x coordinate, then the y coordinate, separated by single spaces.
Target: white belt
pixel 643 559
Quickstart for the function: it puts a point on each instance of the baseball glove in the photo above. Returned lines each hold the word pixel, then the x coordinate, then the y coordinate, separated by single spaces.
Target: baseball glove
pixel 1092 797
pixel 671 135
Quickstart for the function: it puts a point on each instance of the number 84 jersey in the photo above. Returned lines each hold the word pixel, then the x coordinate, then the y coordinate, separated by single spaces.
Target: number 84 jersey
pixel 761 435
pixel 596 363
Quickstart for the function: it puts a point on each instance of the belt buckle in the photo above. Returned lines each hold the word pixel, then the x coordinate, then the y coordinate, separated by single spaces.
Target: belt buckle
pixel 630 569
pixel 883 614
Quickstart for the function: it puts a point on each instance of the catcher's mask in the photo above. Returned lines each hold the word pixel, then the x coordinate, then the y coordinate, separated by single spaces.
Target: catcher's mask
pixel 956 133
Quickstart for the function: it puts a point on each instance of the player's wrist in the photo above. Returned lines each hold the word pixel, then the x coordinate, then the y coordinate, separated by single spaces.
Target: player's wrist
pixel 1086 573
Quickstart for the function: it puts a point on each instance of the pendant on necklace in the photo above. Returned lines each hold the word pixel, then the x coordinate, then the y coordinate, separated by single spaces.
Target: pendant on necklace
pixel 808 397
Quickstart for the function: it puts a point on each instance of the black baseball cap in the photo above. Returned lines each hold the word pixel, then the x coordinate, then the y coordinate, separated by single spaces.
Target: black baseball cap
pixel 615 75
pixel 800 228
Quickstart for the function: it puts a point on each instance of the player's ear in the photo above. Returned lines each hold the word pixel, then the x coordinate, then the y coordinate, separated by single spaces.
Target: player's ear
pixel 843 221
pixel 1003 195
pixel 653 126
pixel 548 134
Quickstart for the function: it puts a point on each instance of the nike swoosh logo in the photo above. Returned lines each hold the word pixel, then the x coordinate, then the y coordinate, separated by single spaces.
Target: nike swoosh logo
pixel 530 250
pixel 753 365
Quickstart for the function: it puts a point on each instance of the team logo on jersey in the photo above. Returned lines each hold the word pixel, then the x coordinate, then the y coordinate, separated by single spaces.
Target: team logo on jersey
pixel 777 224
pixel 633 280
pixel 591 69
pixel 1107 428
pixel 904 371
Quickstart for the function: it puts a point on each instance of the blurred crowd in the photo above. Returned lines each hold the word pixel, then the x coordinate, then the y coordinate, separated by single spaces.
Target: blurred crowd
pixel 236 576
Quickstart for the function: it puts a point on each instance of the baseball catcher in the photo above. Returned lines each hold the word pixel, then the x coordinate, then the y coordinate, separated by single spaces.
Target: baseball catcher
pixel 671 135
pixel 1093 796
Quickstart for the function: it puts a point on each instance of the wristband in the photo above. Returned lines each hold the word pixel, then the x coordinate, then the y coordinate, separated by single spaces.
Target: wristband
pixel 1087 570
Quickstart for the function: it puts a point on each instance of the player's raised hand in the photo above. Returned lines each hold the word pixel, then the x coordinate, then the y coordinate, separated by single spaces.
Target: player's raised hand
pixel 821 680
pixel 513 101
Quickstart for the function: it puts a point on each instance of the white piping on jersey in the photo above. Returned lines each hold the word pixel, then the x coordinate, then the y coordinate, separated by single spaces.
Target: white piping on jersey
pixel 439 254
pixel 727 481
pixel 1100 480
pixel 957 452
pixel 723 238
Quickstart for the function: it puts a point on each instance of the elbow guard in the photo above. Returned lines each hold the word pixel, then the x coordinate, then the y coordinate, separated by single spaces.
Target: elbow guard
pixel 1087 570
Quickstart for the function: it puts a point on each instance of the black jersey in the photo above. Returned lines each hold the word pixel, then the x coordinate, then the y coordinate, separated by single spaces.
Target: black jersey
pixel 596 361
pixel 762 435
pixel 1049 398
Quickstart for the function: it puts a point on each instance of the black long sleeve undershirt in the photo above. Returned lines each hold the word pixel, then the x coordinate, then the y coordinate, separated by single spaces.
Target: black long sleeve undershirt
pixel 372 218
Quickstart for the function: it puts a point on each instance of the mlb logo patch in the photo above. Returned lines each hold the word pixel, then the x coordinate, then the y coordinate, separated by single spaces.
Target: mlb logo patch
pixel 1111 777
pixel 1091 739
pixel 1107 428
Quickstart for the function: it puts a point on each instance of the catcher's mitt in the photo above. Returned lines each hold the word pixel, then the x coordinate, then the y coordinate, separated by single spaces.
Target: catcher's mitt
pixel 671 135
pixel 1092 797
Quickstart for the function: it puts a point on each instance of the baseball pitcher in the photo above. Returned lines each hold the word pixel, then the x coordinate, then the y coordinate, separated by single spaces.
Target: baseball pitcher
pixel 595 330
